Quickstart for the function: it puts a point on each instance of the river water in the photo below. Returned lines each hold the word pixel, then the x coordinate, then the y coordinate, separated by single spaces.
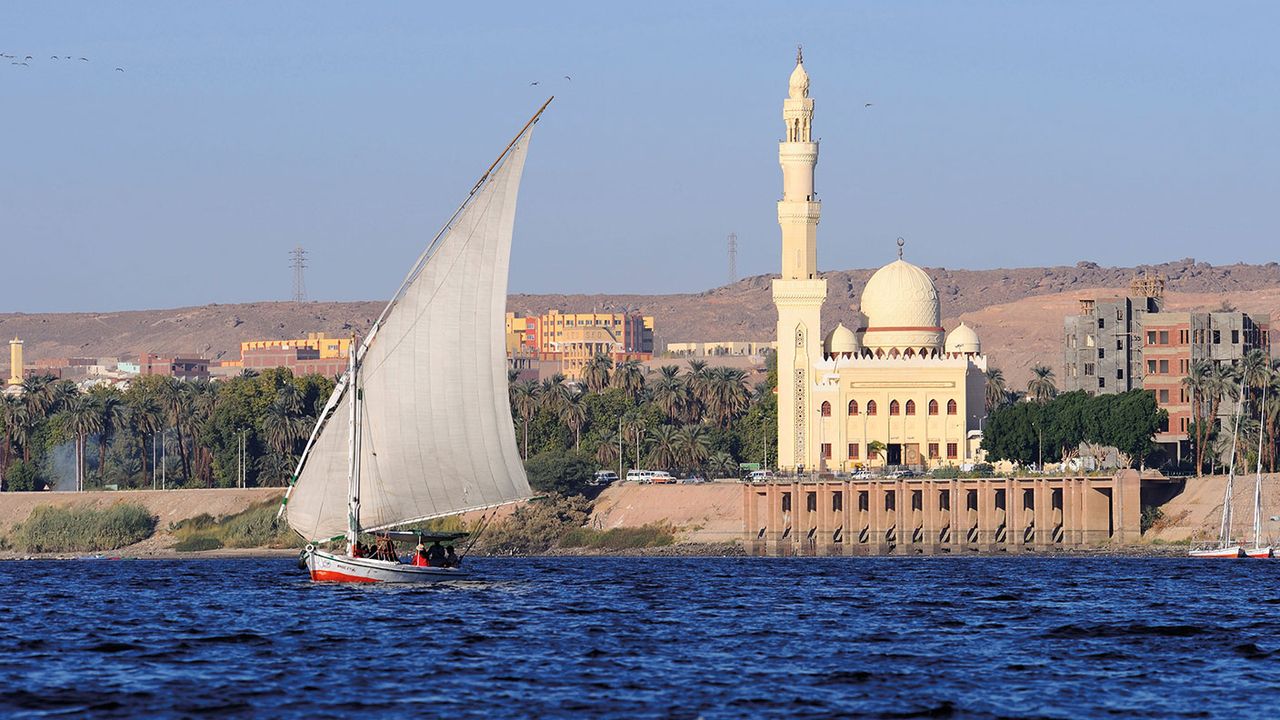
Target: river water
pixel 647 638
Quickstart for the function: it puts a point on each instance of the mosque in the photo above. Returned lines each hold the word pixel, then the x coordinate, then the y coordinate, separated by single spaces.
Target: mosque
pixel 898 392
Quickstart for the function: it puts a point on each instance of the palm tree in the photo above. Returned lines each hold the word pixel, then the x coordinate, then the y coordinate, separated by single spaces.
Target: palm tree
pixel 12 418
pixel 726 395
pixel 699 382
pixel 111 417
pixel 596 373
pixel 524 400
pixel 1224 384
pixel 573 413
pixel 38 394
pixel 1041 386
pixel 875 449
pixel 1197 384
pixel 722 465
pixel 665 451
pixel 79 416
pixel 177 405
pixel 554 393
pixel 629 376
pixel 995 388
pixel 692 446
pixel 145 419
pixel 671 395
pixel 282 429
pixel 607 452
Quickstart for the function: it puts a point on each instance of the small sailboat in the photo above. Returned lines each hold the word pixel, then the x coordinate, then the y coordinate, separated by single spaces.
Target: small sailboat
pixel 1259 550
pixel 1225 548
pixel 428 430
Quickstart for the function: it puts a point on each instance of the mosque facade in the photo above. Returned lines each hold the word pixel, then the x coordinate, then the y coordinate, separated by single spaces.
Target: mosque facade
pixel 900 391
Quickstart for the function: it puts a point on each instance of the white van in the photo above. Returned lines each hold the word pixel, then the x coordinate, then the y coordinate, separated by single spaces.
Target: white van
pixel 643 477
pixel 760 476
pixel 604 477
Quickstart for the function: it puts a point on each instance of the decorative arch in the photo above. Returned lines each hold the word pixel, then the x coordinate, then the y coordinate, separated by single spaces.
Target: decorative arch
pixel 826 409
pixel 871 407
pixel 910 353
pixel 894 408
pixel 911 407
pixel 933 407
pixel 951 407
pixel 853 407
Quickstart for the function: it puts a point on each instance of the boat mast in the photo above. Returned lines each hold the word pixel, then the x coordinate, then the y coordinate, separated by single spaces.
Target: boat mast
pixel 353 456
pixel 1229 496
pixel 1257 482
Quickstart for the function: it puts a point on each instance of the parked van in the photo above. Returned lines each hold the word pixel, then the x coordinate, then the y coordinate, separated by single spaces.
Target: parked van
pixel 643 477
pixel 760 475
pixel 604 477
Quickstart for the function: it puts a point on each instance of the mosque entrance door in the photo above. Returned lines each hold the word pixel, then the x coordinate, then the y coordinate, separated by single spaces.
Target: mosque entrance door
pixel 894 451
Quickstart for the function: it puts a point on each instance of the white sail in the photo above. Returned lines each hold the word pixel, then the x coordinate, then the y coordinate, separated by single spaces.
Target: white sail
pixel 437 436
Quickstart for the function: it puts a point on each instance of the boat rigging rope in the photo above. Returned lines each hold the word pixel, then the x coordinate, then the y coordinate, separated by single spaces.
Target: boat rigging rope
pixel 484 522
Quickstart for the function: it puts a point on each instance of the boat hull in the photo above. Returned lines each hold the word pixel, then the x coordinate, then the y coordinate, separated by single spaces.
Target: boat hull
pixel 1232 551
pixel 331 567
pixel 1261 553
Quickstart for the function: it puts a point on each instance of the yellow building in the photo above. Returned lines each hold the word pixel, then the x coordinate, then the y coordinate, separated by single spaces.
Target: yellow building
pixel 900 382
pixel 326 346
pixel 15 362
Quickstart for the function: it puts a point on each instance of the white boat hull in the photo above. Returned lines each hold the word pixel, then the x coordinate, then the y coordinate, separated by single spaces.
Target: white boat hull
pixel 1231 551
pixel 331 567
pixel 1261 552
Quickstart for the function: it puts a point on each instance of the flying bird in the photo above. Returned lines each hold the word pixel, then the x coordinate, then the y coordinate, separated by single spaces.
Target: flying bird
pixel 867 105
pixel 535 82
pixel 84 59
pixel 120 69
pixel 566 77
pixel 53 57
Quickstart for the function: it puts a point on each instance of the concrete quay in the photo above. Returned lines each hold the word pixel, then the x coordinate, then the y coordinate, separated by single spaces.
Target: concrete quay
pixel 880 516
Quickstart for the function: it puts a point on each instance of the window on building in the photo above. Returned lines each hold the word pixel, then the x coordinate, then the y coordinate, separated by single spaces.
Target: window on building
pixel 953 450
pixel 786 502
pixel 826 409
pixel 933 451
pixel 1235 337
pixel 837 501
pixel 1119 344
pixel 853 407
pixel 853 451
pixel 1151 337
pixel 951 407
pixel 1102 382
pixel 1217 337
pixel 933 407
pixel 1182 337
pixel 911 407
pixel 1182 424
pixel 1102 353
pixel 826 451
pixel 1119 373
pixel 1164 367
pixel 1164 337
pixel 871 407
pixel 894 408
pixel 872 454
pixel 1164 423
pixel 1088 369
pixel 1182 395
pixel 1151 367
pixel 1102 323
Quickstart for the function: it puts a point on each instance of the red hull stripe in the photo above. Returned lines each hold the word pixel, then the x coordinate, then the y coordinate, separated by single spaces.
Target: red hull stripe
pixel 335 576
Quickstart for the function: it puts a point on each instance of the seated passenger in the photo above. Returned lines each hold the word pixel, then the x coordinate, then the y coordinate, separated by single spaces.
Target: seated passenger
pixel 451 558
pixel 435 554
pixel 420 556
pixel 385 549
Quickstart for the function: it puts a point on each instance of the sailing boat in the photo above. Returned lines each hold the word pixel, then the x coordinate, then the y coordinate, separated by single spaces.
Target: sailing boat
pixel 428 430
pixel 1259 550
pixel 1225 548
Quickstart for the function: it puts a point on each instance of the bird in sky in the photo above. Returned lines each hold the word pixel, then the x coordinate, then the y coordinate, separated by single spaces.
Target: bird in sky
pixel 120 69
pixel 84 59
pixel 53 57
pixel 535 82
pixel 27 58
pixel 867 105
pixel 566 77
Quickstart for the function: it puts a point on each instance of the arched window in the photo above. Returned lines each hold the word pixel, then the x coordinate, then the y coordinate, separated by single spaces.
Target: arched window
pixel 933 407
pixel 853 407
pixel 911 407
pixel 951 407
pixel 894 408
pixel 871 407
pixel 826 409
pixel 909 353
pixel 893 353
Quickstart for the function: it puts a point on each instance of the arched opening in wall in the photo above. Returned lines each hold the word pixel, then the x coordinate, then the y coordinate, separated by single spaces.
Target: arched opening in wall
pixel 826 409
pixel 895 354
pixel 911 407
pixel 853 407
pixel 951 407
pixel 871 407
pixel 925 352
pixel 879 354
pixel 894 408
pixel 933 407
pixel 909 353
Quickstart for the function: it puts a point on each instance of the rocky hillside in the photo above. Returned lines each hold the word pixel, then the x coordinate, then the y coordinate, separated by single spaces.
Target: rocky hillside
pixel 1018 312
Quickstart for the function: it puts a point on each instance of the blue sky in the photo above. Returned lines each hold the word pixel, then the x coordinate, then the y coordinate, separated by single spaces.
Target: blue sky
pixel 1001 134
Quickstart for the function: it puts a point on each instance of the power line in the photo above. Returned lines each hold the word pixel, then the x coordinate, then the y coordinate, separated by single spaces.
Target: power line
pixel 299 264
pixel 733 258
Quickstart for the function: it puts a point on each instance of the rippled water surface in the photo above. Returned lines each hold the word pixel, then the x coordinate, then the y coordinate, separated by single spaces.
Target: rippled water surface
pixel 627 638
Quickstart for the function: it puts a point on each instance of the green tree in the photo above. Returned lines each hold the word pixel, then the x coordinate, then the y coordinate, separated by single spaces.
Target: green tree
pixel 995 389
pixel 573 413
pixel 524 400
pixel 596 373
pixel 629 377
pixel 664 450
pixel 79 416
pixel 1041 386
pixel 560 474
pixel 692 446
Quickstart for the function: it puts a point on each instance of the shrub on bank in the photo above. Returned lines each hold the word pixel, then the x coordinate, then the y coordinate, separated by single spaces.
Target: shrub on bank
pixel 647 536
pixel 254 527
pixel 83 528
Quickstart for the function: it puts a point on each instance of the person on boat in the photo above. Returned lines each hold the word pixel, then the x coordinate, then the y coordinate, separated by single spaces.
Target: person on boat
pixel 436 555
pixel 385 549
pixel 355 550
pixel 451 558
pixel 420 556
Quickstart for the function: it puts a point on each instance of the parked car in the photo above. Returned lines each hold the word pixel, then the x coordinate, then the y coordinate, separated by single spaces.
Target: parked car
pixel 691 480
pixel 760 476
pixel 662 478
pixel 861 475
pixel 604 477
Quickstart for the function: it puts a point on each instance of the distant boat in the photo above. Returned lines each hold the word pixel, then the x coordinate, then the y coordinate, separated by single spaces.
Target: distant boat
pixel 428 429
pixel 1259 551
pixel 1225 548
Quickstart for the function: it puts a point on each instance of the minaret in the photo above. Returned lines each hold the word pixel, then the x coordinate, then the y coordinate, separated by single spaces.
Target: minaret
pixel 799 293
pixel 15 362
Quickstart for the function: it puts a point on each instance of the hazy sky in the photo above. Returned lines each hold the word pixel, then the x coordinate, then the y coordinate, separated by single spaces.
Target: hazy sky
pixel 1001 134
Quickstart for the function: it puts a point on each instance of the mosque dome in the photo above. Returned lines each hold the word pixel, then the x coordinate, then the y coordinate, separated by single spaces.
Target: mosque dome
pixel 840 341
pixel 901 305
pixel 798 87
pixel 963 341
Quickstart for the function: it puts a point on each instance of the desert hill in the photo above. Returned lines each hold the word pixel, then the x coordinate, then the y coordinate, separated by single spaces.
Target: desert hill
pixel 1017 311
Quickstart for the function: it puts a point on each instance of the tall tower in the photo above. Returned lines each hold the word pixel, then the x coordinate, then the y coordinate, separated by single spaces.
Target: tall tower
pixel 299 264
pixel 15 362
pixel 733 258
pixel 799 293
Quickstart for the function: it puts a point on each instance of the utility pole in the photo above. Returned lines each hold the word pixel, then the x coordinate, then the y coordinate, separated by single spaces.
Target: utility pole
pixel 619 448
pixel 733 258
pixel 299 264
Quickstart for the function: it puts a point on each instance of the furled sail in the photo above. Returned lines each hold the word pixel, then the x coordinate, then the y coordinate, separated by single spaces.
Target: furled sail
pixel 437 436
